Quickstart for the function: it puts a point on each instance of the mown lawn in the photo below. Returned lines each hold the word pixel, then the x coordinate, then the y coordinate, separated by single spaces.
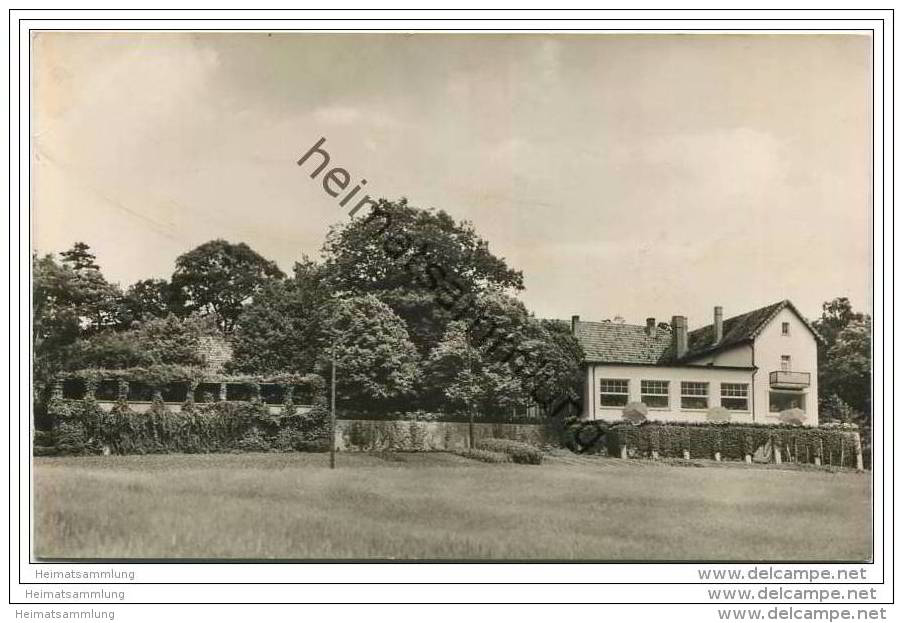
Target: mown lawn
pixel 440 506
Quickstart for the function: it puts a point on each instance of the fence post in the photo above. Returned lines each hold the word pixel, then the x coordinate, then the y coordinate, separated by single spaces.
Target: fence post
pixel 858 444
pixel 777 454
pixel 624 451
pixel 747 458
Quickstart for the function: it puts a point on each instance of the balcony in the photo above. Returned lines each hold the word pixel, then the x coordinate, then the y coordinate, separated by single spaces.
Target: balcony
pixel 789 380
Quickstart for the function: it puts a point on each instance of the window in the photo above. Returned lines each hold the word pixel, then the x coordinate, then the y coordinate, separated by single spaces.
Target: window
pixel 174 392
pixel 239 391
pixel 785 363
pixel 613 392
pixel 140 392
pixel 735 396
pixel 303 395
pixel 654 393
pixel 272 394
pixel 779 401
pixel 107 391
pixel 694 395
pixel 73 389
pixel 785 328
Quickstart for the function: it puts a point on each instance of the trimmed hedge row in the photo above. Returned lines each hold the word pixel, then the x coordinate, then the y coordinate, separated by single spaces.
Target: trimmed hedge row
pixel 82 427
pixel 517 451
pixel 433 416
pixel 702 440
pixel 487 456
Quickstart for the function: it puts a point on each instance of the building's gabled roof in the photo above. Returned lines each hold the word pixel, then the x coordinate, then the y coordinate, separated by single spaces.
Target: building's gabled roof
pixel 739 329
pixel 608 342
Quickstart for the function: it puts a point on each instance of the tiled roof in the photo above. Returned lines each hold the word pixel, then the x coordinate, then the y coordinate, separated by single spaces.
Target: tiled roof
pixel 622 343
pixel 739 329
pixel 607 342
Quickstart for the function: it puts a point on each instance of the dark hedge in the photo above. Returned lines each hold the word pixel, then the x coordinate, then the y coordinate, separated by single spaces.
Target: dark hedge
pixel 734 441
pixel 82 427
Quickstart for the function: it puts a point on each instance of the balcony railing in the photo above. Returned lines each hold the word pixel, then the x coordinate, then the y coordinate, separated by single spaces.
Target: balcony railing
pixel 789 380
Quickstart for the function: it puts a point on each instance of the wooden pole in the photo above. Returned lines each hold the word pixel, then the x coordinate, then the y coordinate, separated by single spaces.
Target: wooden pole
pixel 332 415
pixel 470 405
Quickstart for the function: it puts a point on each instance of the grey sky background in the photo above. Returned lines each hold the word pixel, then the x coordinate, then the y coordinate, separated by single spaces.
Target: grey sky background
pixel 631 175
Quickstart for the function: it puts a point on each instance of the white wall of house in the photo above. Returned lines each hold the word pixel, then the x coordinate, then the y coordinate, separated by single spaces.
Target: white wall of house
pixel 740 355
pixel 801 346
pixel 674 375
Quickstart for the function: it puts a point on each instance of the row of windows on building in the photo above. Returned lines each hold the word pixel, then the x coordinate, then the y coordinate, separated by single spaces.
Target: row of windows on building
pixel 693 395
pixel 270 393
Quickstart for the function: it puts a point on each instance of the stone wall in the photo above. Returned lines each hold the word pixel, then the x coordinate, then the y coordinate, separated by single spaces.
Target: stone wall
pixel 407 435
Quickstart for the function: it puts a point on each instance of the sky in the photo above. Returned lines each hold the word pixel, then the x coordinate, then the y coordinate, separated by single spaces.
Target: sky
pixel 625 175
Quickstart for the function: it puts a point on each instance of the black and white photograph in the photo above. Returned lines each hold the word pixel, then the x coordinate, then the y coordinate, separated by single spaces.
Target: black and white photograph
pixel 451 296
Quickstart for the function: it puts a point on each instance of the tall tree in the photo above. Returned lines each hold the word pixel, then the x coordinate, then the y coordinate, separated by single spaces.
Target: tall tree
pixel 375 358
pixel 150 298
pixel 468 377
pixel 280 331
pixel 422 263
pixel 844 361
pixel 79 257
pixel 218 278
pixel 835 316
pixel 503 357
pixel 67 304
pixel 552 375
pixel 846 370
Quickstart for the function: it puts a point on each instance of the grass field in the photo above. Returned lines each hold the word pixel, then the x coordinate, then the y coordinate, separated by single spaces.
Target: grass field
pixel 440 506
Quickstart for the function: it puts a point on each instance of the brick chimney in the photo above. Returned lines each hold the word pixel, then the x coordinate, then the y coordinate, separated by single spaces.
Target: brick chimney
pixel 574 321
pixel 650 327
pixel 719 324
pixel 679 335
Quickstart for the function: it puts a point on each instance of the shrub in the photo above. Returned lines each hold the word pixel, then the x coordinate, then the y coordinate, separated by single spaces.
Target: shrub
pixel 70 438
pixel 254 441
pixel 635 412
pixel 288 440
pixel 717 415
pixel 44 438
pixel 792 416
pixel 734 441
pixel 487 456
pixel 427 416
pixel 517 451
pixel 83 427
pixel 320 445
pixel 585 436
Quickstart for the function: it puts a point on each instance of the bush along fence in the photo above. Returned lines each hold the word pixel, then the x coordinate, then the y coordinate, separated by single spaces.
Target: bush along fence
pixel 210 424
pixel 763 443
pixel 416 432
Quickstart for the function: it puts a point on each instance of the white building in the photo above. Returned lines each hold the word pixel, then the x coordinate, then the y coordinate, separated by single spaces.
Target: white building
pixel 754 365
